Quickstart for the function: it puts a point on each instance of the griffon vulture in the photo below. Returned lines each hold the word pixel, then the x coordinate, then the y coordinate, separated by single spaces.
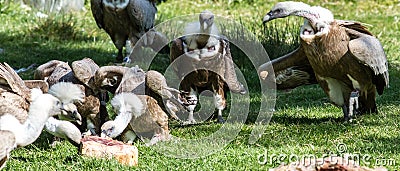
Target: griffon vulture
pixel 64 129
pixel 194 55
pixel 124 19
pixel 118 79
pixel 93 108
pixel 348 62
pixel 137 115
pixel 23 112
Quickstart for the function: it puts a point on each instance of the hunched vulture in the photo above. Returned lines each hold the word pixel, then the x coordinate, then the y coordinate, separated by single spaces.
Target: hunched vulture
pixel 349 63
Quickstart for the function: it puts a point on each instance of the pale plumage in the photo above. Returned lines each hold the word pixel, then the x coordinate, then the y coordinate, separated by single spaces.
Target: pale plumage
pixel 7 144
pixel 126 106
pixel 24 128
pixel 63 129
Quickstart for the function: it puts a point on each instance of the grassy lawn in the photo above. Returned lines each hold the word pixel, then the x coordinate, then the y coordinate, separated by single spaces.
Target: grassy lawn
pixel 305 123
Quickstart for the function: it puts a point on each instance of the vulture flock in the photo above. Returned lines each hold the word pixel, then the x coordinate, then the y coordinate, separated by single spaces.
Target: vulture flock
pixel 70 100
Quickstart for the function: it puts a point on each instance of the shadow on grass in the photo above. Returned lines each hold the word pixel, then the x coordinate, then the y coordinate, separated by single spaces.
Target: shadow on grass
pixel 21 52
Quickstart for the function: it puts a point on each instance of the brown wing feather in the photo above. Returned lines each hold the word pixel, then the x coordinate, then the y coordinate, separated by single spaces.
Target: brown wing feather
pixel 354 25
pixel 291 70
pixel 14 81
pixel 369 51
pixel 176 51
pixel 230 75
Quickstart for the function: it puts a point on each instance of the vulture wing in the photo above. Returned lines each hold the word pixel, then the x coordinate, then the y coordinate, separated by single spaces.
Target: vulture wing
pixel 9 77
pixel 354 25
pixel 369 51
pixel 97 11
pixel 45 70
pixel 132 81
pixel 230 75
pixel 142 13
pixel 84 70
pixel 291 70
pixel 176 51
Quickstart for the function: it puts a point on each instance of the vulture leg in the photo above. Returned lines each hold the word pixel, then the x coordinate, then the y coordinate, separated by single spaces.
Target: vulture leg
pixel 353 103
pixel 128 136
pixel 219 100
pixel 346 112
pixel 192 102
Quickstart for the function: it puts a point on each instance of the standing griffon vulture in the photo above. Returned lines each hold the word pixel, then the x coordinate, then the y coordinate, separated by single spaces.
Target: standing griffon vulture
pixel 202 60
pixel 348 62
pixel 24 111
pixel 124 19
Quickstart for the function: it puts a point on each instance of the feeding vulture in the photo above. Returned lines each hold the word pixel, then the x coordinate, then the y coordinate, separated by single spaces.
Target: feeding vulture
pixel 118 79
pixel 124 20
pixel 24 111
pixel 135 89
pixel 81 73
pixel 137 115
pixel 349 63
pixel 202 60
pixel 64 129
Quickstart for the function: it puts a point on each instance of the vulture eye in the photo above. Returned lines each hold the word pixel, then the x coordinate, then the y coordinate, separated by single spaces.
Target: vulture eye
pixel 211 48
pixel 277 11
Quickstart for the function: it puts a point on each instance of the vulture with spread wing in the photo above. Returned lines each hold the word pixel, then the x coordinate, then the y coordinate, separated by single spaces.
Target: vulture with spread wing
pixel 124 20
pixel 349 63
pixel 202 60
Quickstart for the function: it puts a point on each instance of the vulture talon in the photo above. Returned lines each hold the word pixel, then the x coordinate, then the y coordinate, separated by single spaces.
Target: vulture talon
pixel 221 119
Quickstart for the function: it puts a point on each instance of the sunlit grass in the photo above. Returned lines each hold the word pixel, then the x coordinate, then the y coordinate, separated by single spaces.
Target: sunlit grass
pixel 304 122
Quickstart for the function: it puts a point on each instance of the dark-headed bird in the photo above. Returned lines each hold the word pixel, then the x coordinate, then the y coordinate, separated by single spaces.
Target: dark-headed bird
pixel 124 19
pixel 202 60
pixel 349 63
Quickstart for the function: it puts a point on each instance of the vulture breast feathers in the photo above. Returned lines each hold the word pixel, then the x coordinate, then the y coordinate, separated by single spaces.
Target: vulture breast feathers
pixel 202 60
pixel 124 19
pixel 348 62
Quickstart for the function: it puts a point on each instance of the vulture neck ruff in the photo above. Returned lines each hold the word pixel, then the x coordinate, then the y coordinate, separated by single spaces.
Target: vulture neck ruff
pixel 39 111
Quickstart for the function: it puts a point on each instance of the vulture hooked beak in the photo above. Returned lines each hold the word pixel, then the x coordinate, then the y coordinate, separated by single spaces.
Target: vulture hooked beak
pixel 69 112
pixel 268 17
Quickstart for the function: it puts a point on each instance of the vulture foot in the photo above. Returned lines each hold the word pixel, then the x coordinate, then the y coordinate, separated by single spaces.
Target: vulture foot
pixel 190 120
pixel 120 57
pixel 221 119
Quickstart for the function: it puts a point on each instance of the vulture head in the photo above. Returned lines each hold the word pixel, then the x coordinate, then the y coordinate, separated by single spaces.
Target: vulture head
pixel 316 18
pixel 67 93
pixel 125 106
pixel 206 19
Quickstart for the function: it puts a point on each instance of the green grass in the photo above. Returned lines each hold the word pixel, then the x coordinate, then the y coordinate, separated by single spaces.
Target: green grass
pixel 304 122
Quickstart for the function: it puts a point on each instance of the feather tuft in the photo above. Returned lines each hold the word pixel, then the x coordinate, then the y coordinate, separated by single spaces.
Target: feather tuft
pixel 67 92
pixel 124 101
